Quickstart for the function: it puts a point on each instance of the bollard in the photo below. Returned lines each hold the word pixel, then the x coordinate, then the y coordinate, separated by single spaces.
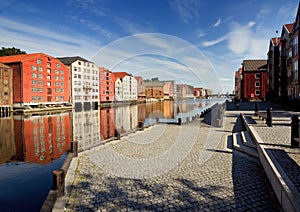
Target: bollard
pixel 141 125
pixel 74 148
pixel 59 182
pixel 179 121
pixel 157 119
pixel 117 134
pixel 269 117
pixel 256 109
pixel 294 131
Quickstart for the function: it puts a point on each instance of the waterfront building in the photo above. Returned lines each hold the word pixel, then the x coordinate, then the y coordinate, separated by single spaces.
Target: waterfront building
pixel 106 86
pixel 238 84
pixel 125 87
pixel 285 61
pixel 185 91
pixel 38 79
pixel 154 89
pixel 6 88
pixel 254 79
pixel 294 78
pixel 84 80
pixel 199 92
pixel 169 90
pixel 273 69
pixel 141 90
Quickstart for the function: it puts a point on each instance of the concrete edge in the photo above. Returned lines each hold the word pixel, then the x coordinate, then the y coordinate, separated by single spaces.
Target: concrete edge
pixel 286 193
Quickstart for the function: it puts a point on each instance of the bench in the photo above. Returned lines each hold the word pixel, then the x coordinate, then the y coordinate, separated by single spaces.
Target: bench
pixel 262 115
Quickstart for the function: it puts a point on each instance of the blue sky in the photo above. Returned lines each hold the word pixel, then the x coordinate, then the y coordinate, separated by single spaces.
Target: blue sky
pixel 196 42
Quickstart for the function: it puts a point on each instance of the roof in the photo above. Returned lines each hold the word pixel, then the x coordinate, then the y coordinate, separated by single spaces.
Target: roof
pixel 275 41
pixel 138 78
pixel 21 57
pixel 289 27
pixel 119 75
pixel 70 60
pixel 254 65
pixel 154 84
pixel 3 66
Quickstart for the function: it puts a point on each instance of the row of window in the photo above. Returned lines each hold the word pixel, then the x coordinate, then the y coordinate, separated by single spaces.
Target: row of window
pixel 77 97
pixel 41 90
pixel 39 68
pixel 39 61
pixel 41 98
pixel 88 71
pixel 85 77
pixel 40 82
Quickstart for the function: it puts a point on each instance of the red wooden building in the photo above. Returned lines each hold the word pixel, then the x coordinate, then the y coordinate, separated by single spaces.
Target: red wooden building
pixel 106 86
pixel 38 79
pixel 254 79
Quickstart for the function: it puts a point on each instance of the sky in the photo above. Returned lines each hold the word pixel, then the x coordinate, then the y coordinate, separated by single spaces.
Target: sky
pixel 196 42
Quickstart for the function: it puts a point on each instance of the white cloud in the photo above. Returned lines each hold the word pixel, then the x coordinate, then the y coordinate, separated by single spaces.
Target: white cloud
pixel 217 23
pixel 186 9
pixel 214 42
pixel 200 33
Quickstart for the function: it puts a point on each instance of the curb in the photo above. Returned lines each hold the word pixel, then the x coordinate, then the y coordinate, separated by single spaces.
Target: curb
pixel 287 195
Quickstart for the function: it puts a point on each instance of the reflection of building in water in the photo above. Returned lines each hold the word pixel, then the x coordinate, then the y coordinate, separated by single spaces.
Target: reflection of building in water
pixel 107 123
pixel 141 112
pixel 126 118
pixel 185 91
pixel 8 148
pixel 45 138
pixel 169 109
pixel 86 128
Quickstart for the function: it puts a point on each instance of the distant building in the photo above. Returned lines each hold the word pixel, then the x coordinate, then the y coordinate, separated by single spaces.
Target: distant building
pixel 6 88
pixel 254 79
pixel 84 82
pixel 185 91
pixel 199 92
pixel 154 90
pixel 38 79
pixel 106 86
pixel 273 69
pixel 141 90
pixel 169 90
pixel 238 84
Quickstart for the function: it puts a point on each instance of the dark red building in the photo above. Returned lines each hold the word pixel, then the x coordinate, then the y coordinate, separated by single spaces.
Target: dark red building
pixel 38 79
pixel 254 79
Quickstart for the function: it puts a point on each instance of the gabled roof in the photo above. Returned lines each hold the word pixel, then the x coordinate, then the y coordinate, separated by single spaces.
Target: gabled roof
pixel 138 78
pixel 119 75
pixel 21 57
pixel 254 65
pixel 289 27
pixel 70 60
pixel 275 41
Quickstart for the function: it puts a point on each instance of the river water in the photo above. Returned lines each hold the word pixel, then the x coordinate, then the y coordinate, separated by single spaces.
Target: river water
pixel 32 146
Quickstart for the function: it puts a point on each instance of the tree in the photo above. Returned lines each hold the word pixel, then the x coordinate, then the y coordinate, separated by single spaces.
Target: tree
pixel 10 51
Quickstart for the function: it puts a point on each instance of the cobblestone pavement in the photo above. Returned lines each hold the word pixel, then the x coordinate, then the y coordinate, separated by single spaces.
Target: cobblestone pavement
pixel 184 168
pixel 277 141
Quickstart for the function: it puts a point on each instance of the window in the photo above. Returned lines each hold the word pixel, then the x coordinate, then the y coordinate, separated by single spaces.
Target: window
pixel 34 75
pixel 48 70
pixel 33 82
pixel 40 76
pixel 257 84
pixel 48 77
pixel 33 68
pixel 57 65
pixel 56 72
pixel 257 92
pixel 48 84
pixel 48 64
pixel 38 61
pixel 257 76
pixel 33 90
pixel 61 72
pixel 40 68
pixel 40 82
pixel 296 70
pixel 41 90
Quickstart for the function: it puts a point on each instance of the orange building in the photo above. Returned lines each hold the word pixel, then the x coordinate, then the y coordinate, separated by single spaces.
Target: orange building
pixel 107 123
pixel 106 86
pixel 154 89
pixel 38 79
pixel 45 138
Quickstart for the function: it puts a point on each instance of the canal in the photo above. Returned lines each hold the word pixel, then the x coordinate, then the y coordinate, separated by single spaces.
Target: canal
pixel 32 146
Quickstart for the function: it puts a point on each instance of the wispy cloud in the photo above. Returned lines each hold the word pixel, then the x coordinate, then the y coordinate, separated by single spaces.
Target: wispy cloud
pixel 133 27
pixel 218 22
pixel 188 10
pixel 90 6
pixel 44 40
pixel 287 12
pixel 200 33
pixel 214 42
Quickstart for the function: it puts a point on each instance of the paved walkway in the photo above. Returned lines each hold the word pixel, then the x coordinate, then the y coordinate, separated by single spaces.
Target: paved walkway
pixel 170 168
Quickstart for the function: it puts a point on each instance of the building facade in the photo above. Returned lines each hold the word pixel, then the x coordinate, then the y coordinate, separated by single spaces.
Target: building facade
pixel 273 69
pixel 106 86
pixel 141 90
pixel 254 79
pixel 169 90
pixel 38 79
pixel 6 88
pixel 154 90
pixel 84 80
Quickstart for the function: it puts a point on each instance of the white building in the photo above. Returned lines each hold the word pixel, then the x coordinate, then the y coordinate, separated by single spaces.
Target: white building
pixel 125 87
pixel 84 82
